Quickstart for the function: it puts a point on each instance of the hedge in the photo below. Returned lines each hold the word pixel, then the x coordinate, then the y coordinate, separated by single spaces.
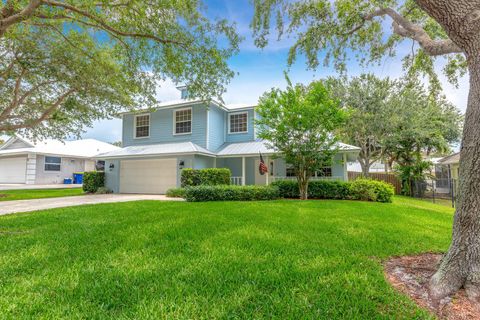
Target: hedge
pixel 208 177
pixel 93 180
pixel 371 190
pixel 360 189
pixel 230 193
pixel 319 189
pixel 175 193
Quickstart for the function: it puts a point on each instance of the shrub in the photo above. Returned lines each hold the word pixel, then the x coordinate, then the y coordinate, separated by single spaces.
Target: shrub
pixel 360 189
pixel 103 190
pixel 176 193
pixel 230 193
pixel 371 190
pixel 320 189
pixel 93 180
pixel 205 177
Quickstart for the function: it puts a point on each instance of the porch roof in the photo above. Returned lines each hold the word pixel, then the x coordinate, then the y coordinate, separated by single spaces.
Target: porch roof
pixel 254 147
pixel 163 149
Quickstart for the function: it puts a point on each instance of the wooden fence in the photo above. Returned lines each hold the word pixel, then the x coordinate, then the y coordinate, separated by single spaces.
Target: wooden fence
pixel 387 177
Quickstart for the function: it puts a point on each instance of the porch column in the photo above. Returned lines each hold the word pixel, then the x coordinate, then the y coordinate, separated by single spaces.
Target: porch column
pixel 243 171
pixel 268 172
pixel 345 169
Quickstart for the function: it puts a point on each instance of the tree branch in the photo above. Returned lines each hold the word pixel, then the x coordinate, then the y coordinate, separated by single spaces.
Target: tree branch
pixel 405 28
pixel 44 116
pixel 107 27
pixel 19 16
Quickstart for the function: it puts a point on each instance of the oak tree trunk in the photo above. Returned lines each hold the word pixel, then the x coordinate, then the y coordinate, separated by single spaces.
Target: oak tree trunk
pixel 460 267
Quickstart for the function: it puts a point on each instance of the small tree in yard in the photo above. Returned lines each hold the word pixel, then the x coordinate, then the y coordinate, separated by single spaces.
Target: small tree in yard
pixel 299 123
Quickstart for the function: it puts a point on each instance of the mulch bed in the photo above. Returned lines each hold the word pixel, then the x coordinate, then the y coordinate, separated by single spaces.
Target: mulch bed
pixel 411 275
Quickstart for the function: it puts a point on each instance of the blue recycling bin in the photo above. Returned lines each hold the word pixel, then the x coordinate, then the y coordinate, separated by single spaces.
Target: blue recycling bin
pixel 67 181
pixel 78 177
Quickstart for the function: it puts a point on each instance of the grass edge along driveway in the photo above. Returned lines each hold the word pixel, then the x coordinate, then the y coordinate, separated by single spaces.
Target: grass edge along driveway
pixel 28 194
pixel 177 260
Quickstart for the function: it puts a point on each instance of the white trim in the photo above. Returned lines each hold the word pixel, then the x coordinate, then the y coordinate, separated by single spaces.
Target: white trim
pixel 156 155
pixel 190 103
pixel 243 171
pixel 174 118
pixel 207 144
pixel 135 125
pixel 229 120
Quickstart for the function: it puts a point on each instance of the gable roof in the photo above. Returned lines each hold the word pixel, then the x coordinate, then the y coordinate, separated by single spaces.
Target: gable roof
pixel 86 148
pixel 451 159
pixel 164 149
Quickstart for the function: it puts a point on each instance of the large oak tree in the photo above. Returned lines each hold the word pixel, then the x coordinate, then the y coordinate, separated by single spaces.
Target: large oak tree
pixel 373 29
pixel 64 64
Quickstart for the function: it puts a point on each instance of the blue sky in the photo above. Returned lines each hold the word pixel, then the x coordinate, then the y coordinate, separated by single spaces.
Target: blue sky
pixel 259 70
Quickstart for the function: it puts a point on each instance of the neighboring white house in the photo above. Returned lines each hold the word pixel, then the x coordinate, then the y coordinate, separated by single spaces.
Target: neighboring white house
pixel 48 161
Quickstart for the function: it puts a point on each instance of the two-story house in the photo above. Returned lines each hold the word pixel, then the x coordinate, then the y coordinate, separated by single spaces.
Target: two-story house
pixel 188 133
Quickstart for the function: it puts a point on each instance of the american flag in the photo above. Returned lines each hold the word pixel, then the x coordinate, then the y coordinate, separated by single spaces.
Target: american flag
pixel 262 167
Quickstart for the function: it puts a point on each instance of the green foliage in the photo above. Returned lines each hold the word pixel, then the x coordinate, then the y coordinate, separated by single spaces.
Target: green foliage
pixel 371 190
pixel 419 171
pixel 367 100
pixel 209 176
pixel 419 124
pixel 317 189
pixel 103 190
pixel 79 61
pixel 335 29
pixel 175 193
pixel 230 193
pixel 93 180
pixel 299 122
pixel 359 189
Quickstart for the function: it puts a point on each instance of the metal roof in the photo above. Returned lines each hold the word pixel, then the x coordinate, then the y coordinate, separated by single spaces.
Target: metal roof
pixel 86 148
pixel 254 147
pixel 451 159
pixel 227 150
pixel 245 148
pixel 163 149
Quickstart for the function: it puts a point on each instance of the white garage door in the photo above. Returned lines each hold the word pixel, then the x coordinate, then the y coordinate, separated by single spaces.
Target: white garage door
pixel 148 176
pixel 13 170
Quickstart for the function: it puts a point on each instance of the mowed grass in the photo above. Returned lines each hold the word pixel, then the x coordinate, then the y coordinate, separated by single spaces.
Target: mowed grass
pixel 226 260
pixel 25 194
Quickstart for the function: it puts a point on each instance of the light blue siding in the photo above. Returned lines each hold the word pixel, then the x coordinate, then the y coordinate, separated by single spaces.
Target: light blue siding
pixel 202 162
pixel 161 128
pixel 216 128
pixel 240 137
pixel 112 175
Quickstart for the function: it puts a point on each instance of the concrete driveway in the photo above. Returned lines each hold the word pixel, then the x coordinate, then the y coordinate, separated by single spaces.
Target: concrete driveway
pixel 7 207
pixel 11 186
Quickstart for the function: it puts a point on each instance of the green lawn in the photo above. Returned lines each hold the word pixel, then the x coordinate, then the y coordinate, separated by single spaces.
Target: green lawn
pixel 177 260
pixel 24 194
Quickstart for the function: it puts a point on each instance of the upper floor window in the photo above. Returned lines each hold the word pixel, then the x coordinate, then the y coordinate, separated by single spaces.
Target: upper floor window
pixel 53 163
pixel 238 122
pixel 142 126
pixel 183 121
